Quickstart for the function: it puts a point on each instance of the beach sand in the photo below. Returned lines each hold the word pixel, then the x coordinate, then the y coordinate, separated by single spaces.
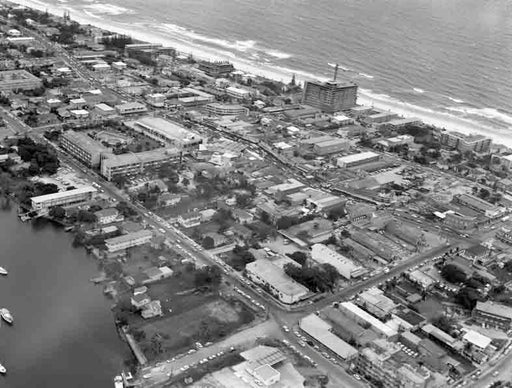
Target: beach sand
pixel 153 34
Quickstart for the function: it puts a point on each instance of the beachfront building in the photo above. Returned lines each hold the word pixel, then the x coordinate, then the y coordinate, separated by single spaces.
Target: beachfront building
pixel 129 240
pixel 463 143
pixel 167 132
pixel 218 109
pixel 43 203
pixel 82 147
pixel 272 277
pixel 238 93
pixel 357 159
pixel 11 80
pixel 216 69
pixel 135 163
pixel 331 96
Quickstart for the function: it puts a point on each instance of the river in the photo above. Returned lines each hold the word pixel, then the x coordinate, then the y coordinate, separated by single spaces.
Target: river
pixel 63 334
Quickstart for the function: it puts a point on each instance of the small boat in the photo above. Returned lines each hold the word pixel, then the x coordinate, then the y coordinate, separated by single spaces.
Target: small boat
pixel 6 315
pixel 3 370
pixel 3 271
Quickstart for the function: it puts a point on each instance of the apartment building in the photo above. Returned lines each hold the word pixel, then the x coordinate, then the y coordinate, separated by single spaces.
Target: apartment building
pixel 129 240
pixel 78 196
pixel 82 147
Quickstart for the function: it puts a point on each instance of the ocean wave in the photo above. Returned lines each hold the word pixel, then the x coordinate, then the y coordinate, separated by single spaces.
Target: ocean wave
pixel 458 101
pixel 366 75
pixel 418 90
pixel 88 13
pixel 108 9
pixel 238 45
pixel 278 54
pixel 487 113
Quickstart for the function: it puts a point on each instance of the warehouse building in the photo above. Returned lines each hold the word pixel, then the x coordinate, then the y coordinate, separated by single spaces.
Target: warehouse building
pixel 346 267
pixel 357 159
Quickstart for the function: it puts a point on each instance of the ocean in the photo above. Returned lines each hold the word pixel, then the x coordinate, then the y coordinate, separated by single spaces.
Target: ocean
pixel 447 62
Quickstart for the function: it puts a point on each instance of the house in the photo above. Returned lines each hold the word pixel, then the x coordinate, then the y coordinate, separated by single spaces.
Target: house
pixel 241 231
pixel 152 309
pixel 189 220
pixel 154 274
pixel 207 214
pixel 140 300
pixel 218 239
pixel 107 216
pixel 242 216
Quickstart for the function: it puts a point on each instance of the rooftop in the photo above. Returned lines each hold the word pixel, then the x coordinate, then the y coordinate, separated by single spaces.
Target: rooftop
pixel 139 157
pixel 128 237
pixel 63 194
pixel 84 141
pixel 357 157
pixel 379 325
pixel 494 309
pixel 477 339
pixel 164 128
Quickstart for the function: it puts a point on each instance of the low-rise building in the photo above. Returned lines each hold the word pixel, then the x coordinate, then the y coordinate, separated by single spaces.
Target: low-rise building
pixel 463 143
pixel 493 315
pixel 131 108
pixel 140 300
pixel 129 240
pixel 82 147
pixel 189 220
pixel 270 276
pixel 154 274
pixel 156 99
pixel 218 109
pixel 357 159
pixel 238 93
pixel 107 216
pixel 345 267
pixel 374 301
pixel 320 331
pixel 136 163
pixel 11 80
pixel 74 197
pixel 361 315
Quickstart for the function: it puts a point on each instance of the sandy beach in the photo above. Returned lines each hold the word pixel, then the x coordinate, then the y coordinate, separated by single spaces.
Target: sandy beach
pixel 384 102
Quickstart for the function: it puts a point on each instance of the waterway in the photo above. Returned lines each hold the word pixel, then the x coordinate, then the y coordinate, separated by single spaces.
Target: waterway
pixel 63 334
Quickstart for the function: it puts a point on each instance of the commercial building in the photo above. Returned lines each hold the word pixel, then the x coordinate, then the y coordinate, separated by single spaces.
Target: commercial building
pixel 131 108
pixel 216 69
pixel 189 220
pixel 331 147
pixel 107 216
pixel 104 110
pixel 218 109
pixel 78 196
pixel 129 240
pixel 166 131
pixel 357 159
pixel 331 96
pixel 82 147
pixel 374 301
pixel 287 290
pixel 136 163
pixel 463 143
pixel 459 221
pixel 362 316
pixel 477 340
pixel 156 99
pixel 320 331
pixel 346 267
pixel 443 337
pixel 493 315
pixel 238 93
pixel 18 80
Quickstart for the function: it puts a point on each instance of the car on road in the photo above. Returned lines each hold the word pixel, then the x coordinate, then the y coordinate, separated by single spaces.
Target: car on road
pixel 161 230
pixel 495 373
pixel 286 328
pixel 302 343
pixel 357 377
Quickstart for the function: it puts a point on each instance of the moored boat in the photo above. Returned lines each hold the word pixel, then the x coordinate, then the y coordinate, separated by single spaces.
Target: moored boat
pixel 3 370
pixel 118 382
pixel 3 271
pixel 6 315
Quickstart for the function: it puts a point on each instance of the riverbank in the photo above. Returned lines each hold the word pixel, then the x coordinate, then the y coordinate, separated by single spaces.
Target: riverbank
pixel 64 333
pixel 384 102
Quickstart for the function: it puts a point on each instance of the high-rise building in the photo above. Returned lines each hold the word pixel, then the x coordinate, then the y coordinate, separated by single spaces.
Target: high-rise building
pixel 330 96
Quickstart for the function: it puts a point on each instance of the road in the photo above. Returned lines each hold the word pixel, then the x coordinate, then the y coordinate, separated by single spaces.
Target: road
pixel 503 369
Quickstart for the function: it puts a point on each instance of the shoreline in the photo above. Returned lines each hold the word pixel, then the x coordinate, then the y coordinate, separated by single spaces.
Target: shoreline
pixel 442 120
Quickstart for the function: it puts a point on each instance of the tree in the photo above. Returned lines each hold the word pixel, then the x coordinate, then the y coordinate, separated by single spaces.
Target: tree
pixel 57 212
pixel 119 180
pixel 209 276
pixel 185 181
pixel 508 266
pixel 467 297
pixel 345 233
pixel 208 242
pixel 453 274
pixel 484 193
pixel 86 216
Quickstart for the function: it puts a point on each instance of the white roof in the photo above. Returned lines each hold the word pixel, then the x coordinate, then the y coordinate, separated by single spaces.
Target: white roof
pixel 477 339
pixel 325 255
pixel 104 107
pixel 63 194
pixel 357 157
pixel 78 101
pixel 319 330
pixel 79 112
pixel 237 90
pixel 374 322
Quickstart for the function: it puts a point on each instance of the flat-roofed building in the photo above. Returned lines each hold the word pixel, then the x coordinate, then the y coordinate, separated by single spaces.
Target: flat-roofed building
pixel 136 163
pixel 345 267
pixel 320 331
pixel 82 147
pixel 331 146
pixel 73 197
pixel 442 336
pixel 463 143
pixel 156 99
pixel 131 108
pixel 357 159
pixel 493 315
pixel 104 110
pixel 18 80
pixel 238 93
pixel 219 109
pixel 479 341
pixel 167 131
pixel 374 301
pixel 216 69
pixel 376 324
pixel 284 288
pixel 129 240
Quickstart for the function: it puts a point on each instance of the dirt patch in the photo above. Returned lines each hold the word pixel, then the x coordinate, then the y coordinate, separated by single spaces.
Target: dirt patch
pixel 222 311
